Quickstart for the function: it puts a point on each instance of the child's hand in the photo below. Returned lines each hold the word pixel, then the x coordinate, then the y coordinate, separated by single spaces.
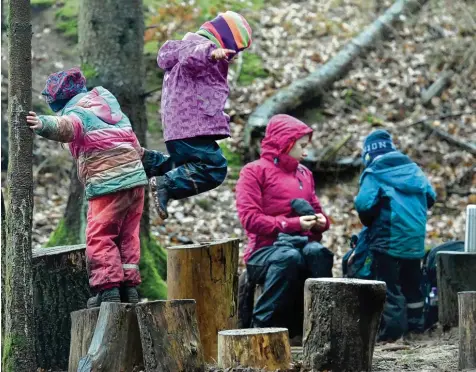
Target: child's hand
pixel 221 53
pixel 321 221
pixel 34 121
pixel 307 222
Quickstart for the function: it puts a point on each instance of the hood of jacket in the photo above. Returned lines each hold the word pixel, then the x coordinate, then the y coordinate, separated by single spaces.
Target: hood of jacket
pixel 281 133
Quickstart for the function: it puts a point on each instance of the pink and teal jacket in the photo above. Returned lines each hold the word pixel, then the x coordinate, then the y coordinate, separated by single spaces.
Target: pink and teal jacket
pixel 101 138
pixel 194 91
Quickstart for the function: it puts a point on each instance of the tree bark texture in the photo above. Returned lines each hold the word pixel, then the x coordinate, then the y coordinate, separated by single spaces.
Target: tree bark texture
pixel 18 336
pixel 321 80
pixel 60 282
pixel 455 272
pixel 170 336
pixel 72 228
pixel 341 320
pixel 467 330
pixel 111 44
pixel 83 324
pixel 265 348
pixel 116 344
pixel 207 273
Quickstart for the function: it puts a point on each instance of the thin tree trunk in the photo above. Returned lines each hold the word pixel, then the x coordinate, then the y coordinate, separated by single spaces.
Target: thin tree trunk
pixel 18 336
pixel 318 82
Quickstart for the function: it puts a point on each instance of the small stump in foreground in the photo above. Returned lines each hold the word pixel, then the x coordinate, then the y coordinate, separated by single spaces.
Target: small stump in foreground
pixel 341 321
pixel 467 330
pixel 266 348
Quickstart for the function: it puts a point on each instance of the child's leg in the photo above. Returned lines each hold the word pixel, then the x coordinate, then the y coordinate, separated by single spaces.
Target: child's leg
pixel 156 163
pixel 103 257
pixel 201 166
pixel 129 243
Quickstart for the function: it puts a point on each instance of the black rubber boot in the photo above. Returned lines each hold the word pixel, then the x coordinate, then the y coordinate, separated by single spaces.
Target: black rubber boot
pixel 129 295
pixel 108 295
pixel 161 196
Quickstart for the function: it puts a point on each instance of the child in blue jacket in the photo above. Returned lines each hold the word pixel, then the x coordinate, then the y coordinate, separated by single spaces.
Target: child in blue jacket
pixel 392 203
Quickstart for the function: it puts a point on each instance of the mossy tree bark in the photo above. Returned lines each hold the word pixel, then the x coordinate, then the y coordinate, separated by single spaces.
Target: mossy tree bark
pixel 61 286
pixel 18 335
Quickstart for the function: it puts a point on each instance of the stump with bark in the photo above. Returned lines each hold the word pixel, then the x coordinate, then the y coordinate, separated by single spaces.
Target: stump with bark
pixel 170 336
pixel 60 286
pixel 265 348
pixel 455 272
pixel 83 324
pixel 116 344
pixel 207 272
pixel 341 321
pixel 467 330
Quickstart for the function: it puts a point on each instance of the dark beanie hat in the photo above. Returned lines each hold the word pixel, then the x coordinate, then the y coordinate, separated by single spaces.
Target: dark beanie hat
pixel 377 143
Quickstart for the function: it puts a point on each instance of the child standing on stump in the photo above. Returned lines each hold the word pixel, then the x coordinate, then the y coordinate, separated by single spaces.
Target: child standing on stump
pixel 194 93
pixel 102 141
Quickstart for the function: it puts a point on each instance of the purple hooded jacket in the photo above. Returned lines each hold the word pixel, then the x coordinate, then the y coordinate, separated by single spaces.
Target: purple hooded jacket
pixel 194 91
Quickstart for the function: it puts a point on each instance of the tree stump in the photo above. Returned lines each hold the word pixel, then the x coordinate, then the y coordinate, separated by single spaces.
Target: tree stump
pixel 455 272
pixel 60 287
pixel 170 336
pixel 341 320
pixel 265 348
pixel 207 272
pixel 467 330
pixel 116 344
pixel 83 324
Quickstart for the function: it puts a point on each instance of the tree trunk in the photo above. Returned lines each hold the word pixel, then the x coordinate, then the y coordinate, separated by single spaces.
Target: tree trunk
pixel 207 273
pixel 18 337
pixel 164 325
pixel 83 324
pixel 116 344
pixel 60 283
pixel 119 30
pixel 455 272
pixel 266 348
pixel 322 79
pixel 72 228
pixel 340 335
pixel 470 229
pixel 467 330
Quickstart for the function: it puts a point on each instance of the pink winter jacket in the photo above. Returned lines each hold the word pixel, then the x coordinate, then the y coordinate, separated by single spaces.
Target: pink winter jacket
pixel 267 186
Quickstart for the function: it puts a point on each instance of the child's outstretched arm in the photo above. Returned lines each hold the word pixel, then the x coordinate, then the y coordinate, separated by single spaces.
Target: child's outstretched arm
pixel 64 128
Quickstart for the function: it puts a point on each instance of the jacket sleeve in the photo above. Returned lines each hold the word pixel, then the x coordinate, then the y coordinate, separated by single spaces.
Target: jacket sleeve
pixel 250 212
pixel 367 200
pixel 191 55
pixel 430 195
pixel 316 204
pixel 66 128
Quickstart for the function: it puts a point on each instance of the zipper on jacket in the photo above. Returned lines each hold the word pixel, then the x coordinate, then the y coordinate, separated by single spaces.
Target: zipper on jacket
pixel 300 184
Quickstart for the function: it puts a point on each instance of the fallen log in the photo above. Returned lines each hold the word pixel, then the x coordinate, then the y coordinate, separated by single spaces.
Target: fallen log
pixel 464 145
pixel 170 336
pixel 437 87
pixel 341 320
pixel 455 272
pixel 323 78
pixel 116 344
pixel 208 273
pixel 83 324
pixel 60 287
pixel 467 330
pixel 266 348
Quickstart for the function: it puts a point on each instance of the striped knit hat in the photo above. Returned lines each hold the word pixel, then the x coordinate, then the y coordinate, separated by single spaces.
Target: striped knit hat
pixel 228 30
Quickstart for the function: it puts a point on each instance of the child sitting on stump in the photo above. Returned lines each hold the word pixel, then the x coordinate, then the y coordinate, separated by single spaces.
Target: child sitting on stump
pixel 102 141
pixel 194 93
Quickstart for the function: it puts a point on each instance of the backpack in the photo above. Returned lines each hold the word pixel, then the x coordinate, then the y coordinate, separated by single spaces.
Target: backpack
pixel 430 309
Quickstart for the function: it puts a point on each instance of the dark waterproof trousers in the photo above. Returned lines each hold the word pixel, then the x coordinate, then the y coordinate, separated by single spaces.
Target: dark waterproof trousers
pixel 282 272
pixel 403 310
pixel 193 166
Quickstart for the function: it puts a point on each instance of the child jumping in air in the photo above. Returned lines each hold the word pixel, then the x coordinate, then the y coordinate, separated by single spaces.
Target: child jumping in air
pixel 194 93
pixel 101 139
